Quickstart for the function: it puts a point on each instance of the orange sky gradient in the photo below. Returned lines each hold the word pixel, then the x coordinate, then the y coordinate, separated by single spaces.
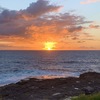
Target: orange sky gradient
pixel 47 29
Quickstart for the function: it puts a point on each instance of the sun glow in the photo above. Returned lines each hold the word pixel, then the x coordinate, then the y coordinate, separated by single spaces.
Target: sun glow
pixel 49 45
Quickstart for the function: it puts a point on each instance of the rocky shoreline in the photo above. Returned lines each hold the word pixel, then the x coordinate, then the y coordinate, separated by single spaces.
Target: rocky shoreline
pixel 51 89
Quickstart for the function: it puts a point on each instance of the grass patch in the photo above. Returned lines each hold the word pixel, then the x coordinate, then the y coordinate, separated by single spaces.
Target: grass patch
pixel 88 97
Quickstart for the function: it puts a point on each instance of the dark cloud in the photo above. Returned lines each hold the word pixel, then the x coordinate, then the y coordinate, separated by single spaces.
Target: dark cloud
pixel 7 16
pixel 94 26
pixel 15 22
pixel 77 29
pixel 1 9
pixel 35 9
pixel 33 22
pixel 39 8
pixel 75 38
pixel 80 41
pixel 85 47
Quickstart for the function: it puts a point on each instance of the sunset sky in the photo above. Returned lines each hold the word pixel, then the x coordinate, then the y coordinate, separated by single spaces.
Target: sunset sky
pixel 49 24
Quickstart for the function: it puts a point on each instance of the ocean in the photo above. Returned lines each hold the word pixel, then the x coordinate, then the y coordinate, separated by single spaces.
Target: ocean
pixel 18 65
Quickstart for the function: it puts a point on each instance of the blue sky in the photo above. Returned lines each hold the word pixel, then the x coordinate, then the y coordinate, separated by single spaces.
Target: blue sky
pixel 15 4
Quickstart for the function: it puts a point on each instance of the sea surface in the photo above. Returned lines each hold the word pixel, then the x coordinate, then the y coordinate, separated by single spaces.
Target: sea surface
pixel 17 65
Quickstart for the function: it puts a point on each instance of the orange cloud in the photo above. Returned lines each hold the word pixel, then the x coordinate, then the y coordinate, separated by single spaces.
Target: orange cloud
pixel 89 1
pixel 31 28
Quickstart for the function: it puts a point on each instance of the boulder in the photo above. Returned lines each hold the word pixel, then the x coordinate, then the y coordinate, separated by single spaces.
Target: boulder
pixel 88 90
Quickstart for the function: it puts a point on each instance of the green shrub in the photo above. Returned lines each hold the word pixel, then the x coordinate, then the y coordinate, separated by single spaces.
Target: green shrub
pixel 88 97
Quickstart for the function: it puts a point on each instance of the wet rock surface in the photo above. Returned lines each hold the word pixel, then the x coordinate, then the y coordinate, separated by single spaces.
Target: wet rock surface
pixel 52 89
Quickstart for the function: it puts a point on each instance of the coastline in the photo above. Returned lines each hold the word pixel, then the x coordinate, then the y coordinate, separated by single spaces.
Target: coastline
pixel 40 77
pixel 51 89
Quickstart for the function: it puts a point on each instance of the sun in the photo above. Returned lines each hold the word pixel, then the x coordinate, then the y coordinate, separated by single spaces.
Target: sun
pixel 49 45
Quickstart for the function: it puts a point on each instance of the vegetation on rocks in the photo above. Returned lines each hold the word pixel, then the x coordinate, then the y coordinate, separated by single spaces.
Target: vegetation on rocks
pixel 88 97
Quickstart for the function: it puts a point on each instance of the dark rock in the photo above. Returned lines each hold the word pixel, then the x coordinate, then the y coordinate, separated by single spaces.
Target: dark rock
pixel 89 75
pixel 51 89
pixel 88 90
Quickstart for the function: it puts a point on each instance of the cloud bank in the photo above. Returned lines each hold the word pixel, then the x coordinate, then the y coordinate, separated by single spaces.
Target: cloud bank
pixel 40 22
pixel 15 22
